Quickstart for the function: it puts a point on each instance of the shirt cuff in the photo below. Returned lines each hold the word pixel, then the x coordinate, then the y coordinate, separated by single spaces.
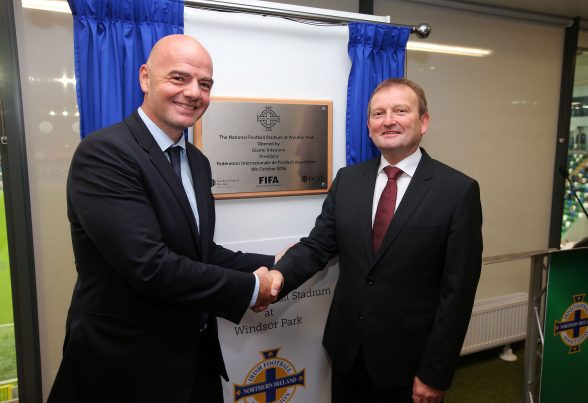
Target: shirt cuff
pixel 255 292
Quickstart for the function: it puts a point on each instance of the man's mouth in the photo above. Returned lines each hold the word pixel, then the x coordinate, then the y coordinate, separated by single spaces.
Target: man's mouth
pixel 392 132
pixel 185 106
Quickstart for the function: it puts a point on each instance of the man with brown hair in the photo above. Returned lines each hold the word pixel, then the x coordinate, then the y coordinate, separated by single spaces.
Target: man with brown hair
pixel 407 231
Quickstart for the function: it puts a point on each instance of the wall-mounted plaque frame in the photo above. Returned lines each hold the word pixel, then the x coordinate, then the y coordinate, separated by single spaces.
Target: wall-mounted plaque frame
pixel 267 147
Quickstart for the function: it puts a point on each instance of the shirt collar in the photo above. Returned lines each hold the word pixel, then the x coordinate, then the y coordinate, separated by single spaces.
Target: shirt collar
pixel 408 165
pixel 162 139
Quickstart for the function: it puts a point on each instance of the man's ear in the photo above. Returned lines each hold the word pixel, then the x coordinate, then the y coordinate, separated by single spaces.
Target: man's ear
pixel 144 78
pixel 425 123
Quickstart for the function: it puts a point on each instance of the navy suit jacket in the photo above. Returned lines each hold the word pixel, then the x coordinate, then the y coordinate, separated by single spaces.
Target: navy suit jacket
pixel 144 273
pixel 408 306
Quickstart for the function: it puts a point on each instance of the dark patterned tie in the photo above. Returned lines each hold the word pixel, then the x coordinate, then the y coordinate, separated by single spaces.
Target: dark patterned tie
pixel 386 206
pixel 174 158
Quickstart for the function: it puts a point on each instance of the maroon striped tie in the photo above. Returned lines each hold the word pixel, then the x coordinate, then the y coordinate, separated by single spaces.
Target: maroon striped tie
pixel 386 206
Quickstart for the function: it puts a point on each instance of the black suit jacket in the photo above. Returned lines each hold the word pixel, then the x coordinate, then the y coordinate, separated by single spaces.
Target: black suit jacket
pixel 408 306
pixel 144 274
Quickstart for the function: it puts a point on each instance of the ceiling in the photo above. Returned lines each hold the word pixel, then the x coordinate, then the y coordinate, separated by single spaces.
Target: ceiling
pixel 558 8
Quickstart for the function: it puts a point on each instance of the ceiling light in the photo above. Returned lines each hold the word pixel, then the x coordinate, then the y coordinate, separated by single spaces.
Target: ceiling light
pixel 60 6
pixel 447 49
pixel 65 80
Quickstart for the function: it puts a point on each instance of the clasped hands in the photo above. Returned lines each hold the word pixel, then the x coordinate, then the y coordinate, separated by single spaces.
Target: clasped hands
pixel 270 284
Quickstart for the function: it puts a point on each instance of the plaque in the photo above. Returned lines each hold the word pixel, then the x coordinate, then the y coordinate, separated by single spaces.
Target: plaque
pixel 267 147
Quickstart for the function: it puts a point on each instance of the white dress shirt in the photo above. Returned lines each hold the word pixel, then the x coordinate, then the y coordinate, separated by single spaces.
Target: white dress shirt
pixel 408 166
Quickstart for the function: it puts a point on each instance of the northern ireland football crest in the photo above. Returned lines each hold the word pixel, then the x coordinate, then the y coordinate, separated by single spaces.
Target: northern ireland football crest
pixel 268 118
pixel 573 326
pixel 273 379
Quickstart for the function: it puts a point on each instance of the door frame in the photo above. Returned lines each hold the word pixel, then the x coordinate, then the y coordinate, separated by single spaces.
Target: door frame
pixel 18 215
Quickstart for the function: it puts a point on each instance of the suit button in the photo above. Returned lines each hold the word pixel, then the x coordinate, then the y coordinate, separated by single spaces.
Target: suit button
pixel 360 317
pixel 370 280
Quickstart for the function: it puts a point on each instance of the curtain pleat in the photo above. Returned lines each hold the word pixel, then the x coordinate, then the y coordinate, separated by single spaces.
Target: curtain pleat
pixel 112 39
pixel 377 52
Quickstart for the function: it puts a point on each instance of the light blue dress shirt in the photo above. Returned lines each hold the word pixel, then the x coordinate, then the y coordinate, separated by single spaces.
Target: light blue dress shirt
pixel 164 142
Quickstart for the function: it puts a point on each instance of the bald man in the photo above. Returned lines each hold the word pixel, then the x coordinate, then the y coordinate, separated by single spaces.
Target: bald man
pixel 151 281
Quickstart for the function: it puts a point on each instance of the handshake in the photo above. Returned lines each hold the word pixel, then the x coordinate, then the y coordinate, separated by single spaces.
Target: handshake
pixel 270 284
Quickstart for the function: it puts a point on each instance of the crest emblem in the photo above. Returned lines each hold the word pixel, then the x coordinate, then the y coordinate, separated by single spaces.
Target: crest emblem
pixel 268 118
pixel 573 326
pixel 273 379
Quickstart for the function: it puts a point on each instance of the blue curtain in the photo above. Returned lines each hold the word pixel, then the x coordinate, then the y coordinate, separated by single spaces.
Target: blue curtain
pixel 112 39
pixel 377 52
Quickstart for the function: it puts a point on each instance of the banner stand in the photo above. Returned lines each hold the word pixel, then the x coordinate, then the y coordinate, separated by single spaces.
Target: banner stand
pixel 557 324
pixel 564 358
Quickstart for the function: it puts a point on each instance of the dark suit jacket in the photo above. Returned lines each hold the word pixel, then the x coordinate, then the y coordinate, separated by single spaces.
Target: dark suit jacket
pixel 144 275
pixel 408 307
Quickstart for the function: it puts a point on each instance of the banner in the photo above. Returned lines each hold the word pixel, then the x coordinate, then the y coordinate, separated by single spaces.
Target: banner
pixel 565 351
pixel 277 355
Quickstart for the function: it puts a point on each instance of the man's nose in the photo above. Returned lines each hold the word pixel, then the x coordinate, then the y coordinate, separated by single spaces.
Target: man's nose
pixel 192 90
pixel 389 119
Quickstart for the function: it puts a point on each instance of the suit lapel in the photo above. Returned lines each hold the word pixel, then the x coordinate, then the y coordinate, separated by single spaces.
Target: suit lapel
pixel 160 162
pixel 200 181
pixel 365 197
pixel 415 193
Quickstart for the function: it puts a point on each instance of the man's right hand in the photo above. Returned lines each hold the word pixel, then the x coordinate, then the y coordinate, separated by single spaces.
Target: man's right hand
pixel 270 284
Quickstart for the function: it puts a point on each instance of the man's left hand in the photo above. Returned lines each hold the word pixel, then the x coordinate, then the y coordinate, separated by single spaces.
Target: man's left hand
pixel 422 393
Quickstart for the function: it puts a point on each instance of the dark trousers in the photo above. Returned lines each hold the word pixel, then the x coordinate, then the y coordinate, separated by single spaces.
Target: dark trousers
pixel 207 387
pixel 356 386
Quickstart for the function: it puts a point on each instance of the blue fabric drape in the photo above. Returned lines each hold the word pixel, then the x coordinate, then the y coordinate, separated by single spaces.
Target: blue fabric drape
pixel 377 52
pixel 112 39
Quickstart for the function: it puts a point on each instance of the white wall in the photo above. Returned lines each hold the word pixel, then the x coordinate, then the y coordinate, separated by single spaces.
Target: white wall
pixel 494 118
pixel 351 6
pixel 45 46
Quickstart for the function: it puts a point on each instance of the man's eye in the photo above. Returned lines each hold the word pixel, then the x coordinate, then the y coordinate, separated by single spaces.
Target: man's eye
pixel 178 78
pixel 206 85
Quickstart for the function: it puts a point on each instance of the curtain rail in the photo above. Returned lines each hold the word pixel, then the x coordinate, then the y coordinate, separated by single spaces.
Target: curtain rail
pixel 298 12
